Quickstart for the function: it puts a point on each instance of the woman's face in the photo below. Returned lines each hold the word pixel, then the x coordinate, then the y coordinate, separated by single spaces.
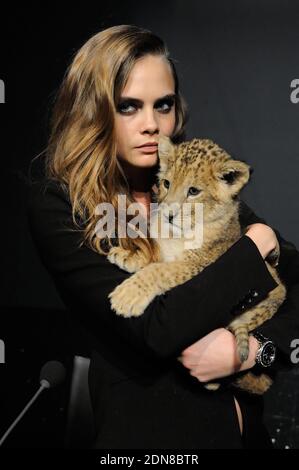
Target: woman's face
pixel 146 109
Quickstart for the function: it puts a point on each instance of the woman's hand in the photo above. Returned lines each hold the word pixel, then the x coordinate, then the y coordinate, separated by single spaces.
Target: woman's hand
pixel 215 356
pixel 264 237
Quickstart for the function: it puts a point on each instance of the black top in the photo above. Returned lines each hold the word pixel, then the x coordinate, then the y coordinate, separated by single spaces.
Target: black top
pixel 142 396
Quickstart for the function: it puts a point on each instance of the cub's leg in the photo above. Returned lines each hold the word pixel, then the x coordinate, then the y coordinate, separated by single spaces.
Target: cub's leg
pixel 134 294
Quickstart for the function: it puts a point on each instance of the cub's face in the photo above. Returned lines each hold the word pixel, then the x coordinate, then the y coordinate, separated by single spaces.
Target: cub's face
pixel 198 171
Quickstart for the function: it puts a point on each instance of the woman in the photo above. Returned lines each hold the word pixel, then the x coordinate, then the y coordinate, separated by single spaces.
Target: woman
pixel 146 375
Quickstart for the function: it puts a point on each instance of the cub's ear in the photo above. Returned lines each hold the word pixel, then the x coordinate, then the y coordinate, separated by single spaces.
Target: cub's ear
pixel 234 175
pixel 166 152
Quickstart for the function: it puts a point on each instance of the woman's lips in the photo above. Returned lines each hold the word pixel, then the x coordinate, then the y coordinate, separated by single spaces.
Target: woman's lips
pixel 148 148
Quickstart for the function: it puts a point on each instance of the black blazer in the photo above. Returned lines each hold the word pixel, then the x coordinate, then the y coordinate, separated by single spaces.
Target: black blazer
pixel 142 396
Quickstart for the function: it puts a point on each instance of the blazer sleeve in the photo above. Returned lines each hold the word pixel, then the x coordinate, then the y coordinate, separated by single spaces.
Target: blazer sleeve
pixel 283 328
pixel 172 321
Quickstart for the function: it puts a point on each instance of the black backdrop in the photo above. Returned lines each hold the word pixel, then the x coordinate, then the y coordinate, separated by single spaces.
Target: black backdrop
pixel 236 61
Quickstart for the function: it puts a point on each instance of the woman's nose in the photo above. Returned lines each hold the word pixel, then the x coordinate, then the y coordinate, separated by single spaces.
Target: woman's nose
pixel 150 123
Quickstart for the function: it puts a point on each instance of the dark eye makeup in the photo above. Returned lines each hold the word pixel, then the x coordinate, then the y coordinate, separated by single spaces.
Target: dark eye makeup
pixel 130 105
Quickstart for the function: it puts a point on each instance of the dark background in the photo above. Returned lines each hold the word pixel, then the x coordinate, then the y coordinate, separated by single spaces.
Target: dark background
pixel 235 60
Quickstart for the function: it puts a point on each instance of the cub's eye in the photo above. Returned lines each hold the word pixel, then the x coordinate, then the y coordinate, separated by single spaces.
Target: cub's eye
pixel 166 184
pixel 193 191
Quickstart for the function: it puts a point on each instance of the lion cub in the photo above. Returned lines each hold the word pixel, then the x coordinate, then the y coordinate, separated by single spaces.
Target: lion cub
pixel 195 172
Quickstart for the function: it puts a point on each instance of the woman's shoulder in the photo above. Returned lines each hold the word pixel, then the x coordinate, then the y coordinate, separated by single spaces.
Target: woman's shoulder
pixel 48 200
pixel 47 191
pixel 45 186
pixel 247 216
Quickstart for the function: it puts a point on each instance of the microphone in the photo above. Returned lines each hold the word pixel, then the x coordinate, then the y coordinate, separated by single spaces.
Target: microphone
pixel 52 374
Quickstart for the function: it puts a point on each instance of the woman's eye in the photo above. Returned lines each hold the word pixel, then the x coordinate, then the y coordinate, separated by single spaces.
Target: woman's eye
pixel 193 191
pixel 126 108
pixel 166 106
pixel 166 184
pixel 129 108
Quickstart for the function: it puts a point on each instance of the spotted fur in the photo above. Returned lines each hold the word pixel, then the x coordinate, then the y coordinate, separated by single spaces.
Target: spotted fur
pixel 203 165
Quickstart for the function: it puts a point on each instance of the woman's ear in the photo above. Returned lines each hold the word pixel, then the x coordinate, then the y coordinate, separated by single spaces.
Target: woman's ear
pixel 166 151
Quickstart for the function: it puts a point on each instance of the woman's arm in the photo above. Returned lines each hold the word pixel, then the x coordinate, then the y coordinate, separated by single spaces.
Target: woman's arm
pixel 215 355
pixel 283 328
pixel 172 321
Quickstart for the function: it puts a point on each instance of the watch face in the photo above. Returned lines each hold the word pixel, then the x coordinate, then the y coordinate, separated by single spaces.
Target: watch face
pixel 268 354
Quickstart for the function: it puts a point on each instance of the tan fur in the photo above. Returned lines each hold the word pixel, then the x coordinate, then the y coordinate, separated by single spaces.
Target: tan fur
pixel 200 164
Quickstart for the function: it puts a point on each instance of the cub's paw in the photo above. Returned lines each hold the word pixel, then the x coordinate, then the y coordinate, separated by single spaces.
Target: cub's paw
pixel 123 259
pixel 126 260
pixel 128 299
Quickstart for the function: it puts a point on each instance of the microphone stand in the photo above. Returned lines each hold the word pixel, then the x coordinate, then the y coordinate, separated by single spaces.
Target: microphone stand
pixel 44 385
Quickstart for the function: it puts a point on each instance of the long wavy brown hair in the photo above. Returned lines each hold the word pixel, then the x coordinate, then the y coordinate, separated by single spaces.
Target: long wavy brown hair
pixel 81 152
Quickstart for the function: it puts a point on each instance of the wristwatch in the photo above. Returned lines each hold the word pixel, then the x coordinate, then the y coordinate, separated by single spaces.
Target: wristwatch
pixel 266 352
